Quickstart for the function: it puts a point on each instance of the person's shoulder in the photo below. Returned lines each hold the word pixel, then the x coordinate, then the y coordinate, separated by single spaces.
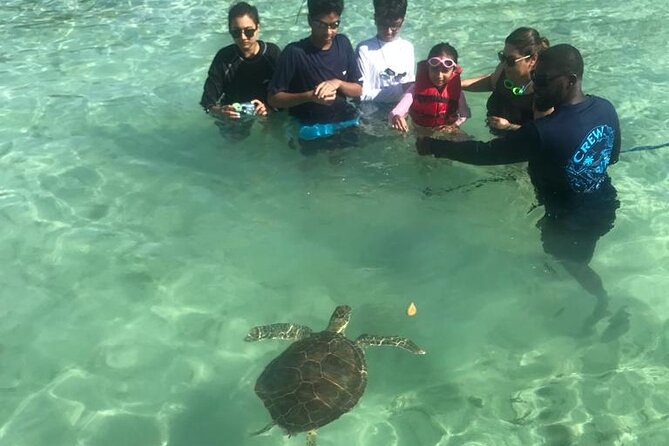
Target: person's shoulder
pixel 298 46
pixel 343 40
pixel 293 51
pixel 602 102
pixel 272 48
pixel 367 45
pixel 403 43
pixel 227 53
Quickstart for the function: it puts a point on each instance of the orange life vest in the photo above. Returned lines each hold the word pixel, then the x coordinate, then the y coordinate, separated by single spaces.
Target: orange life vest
pixel 431 107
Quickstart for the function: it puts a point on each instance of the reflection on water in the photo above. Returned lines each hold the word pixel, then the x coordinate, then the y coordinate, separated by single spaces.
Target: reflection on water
pixel 139 246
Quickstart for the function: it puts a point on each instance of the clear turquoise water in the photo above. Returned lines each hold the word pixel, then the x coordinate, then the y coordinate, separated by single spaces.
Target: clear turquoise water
pixel 138 246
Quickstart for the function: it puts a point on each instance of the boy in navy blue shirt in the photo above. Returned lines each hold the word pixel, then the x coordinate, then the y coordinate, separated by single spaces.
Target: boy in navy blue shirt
pixel 568 153
pixel 315 75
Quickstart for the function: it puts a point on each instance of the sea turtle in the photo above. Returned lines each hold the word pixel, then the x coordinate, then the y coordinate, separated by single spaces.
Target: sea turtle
pixel 319 377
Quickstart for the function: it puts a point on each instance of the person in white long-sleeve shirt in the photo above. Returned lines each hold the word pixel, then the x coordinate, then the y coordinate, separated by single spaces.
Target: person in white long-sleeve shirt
pixel 386 61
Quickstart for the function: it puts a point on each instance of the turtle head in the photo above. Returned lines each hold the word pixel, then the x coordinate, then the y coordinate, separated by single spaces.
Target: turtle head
pixel 339 319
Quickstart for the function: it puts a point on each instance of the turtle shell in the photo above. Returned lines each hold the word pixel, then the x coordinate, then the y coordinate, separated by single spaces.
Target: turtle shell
pixel 313 382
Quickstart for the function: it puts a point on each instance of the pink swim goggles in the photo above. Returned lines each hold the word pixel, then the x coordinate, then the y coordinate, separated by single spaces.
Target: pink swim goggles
pixel 439 62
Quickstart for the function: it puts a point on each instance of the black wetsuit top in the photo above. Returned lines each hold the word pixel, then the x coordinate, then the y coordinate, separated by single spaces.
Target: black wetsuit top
pixel 235 79
pixel 503 103
pixel 568 153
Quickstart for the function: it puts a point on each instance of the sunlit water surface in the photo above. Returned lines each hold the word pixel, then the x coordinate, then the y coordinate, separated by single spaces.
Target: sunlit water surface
pixel 138 245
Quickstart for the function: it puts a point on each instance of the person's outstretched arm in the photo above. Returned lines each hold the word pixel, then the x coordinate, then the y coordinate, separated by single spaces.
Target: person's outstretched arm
pixel 512 148
pixel 284 99
pixel 397 116
pixel 483 83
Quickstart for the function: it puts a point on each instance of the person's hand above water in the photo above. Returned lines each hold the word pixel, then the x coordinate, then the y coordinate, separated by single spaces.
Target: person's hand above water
pixel 326 89
pixel 399 123
pixel 495 122
pixel 261 109
pixel 324 100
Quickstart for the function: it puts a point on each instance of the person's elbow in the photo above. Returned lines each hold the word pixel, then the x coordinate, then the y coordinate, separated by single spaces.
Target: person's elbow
pixel 355 90
pixel 274 100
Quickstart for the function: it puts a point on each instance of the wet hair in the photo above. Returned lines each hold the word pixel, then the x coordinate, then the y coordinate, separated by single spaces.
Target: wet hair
pixel 390 9
pixel 240 10
pixel 563 59
pixel 527 41
pixel 444 49
pixel 318 8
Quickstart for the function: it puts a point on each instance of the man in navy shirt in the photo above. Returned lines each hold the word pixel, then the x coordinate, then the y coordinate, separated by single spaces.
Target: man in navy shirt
pixel 568 153
pixel 315 75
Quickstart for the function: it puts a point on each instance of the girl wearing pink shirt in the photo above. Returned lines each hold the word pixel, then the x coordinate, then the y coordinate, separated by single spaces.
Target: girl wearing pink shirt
pixel 436 101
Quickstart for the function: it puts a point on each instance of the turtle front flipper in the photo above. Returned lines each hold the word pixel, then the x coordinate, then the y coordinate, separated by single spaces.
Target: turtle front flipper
pixel 311 438
pixel 391 341
pixel 291 332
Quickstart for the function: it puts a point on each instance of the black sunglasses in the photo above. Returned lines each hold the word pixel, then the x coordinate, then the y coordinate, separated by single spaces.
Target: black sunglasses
pixel 322 24
pixel 543 80
pixel 248 32
pixel 393 25
pixel 510 61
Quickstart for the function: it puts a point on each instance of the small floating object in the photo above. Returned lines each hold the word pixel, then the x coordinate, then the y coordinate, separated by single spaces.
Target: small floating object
pixel 411 310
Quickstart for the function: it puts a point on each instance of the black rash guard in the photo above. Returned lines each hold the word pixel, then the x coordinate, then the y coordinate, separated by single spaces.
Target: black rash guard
pixel 503 103
pixel 232 78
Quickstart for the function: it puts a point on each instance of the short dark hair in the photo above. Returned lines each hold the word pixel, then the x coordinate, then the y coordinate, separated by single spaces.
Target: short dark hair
pixel 444 49
pixel 390 9
pixel 527 41
pixel 318 8
pixel 240 10
pixel 564 59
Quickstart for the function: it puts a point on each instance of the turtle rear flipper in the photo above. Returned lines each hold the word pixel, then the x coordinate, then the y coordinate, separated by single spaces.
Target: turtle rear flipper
pixel 264 429
pixel 365 340
pixel 291 332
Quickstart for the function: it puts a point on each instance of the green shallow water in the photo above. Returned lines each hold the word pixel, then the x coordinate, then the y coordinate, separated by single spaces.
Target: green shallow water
pixel 138 246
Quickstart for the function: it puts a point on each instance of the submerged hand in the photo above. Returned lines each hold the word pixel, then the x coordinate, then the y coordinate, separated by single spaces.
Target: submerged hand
pixel 399 123
pixel 495 122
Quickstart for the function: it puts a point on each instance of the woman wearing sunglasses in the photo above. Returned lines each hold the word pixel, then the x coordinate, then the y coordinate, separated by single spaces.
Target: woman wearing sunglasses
pixel 435 102
pixel 511 103
pixel 240 72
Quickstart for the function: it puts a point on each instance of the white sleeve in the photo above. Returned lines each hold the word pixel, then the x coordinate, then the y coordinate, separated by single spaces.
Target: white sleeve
pixel 368 84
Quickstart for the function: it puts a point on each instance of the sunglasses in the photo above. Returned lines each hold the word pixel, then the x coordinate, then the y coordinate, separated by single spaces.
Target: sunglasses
pixel 436 62
pixel 543 80
pixel 393 26
pixel 509 60
pixel 324 25
pixel 248 32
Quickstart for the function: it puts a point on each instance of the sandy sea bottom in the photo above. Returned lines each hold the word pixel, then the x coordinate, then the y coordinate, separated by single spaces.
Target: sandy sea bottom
pixel 139 245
